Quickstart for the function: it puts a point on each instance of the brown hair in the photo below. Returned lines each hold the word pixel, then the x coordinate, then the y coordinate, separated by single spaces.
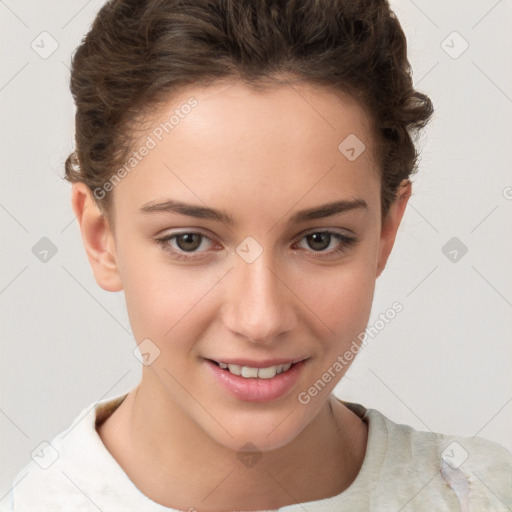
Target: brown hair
pixel 140 52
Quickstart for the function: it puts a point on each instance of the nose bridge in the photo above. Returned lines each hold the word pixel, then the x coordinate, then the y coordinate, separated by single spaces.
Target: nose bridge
pixel 261 306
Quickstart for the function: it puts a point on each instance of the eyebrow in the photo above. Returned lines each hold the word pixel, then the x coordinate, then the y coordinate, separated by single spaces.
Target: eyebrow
pixel 203 212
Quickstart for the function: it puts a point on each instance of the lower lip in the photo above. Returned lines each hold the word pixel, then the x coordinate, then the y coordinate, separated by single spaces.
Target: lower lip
pixel 254 389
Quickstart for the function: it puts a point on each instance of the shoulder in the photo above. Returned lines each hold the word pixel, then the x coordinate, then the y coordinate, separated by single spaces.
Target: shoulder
pixel 445 468
pixel 470 453
pixel 62 470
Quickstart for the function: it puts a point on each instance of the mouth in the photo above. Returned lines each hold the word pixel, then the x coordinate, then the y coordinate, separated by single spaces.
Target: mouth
pixel 257 381
pixel 256 370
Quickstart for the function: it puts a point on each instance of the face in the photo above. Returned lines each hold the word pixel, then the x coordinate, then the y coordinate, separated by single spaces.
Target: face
pixel 246 236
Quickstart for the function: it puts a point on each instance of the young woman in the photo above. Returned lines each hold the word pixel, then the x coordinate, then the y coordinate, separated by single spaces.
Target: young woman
pixel 241 170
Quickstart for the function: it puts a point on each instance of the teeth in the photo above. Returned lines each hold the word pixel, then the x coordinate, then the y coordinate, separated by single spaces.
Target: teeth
pixel 252 373
pixel 267 373
pixel 248 372
pixel 235 369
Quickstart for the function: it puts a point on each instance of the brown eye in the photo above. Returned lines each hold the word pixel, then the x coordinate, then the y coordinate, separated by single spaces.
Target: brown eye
pixel 319 241
pixel 188 241
pixel 185 245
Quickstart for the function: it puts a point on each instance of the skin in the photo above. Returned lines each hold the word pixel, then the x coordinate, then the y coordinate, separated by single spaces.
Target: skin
pixel 260 157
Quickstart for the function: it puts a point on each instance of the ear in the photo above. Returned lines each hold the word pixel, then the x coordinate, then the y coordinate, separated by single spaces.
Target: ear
pixel 97 237
pixel 391 222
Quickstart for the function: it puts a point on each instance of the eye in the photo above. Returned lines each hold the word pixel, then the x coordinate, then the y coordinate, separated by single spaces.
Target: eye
pixel 318 241
pixel 187 244
pixel 179 244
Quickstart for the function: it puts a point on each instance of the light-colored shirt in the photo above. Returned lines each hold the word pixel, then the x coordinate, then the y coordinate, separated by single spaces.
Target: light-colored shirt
pixel 403 470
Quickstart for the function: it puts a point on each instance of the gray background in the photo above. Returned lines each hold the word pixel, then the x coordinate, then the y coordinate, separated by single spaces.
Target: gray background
pixel 442 364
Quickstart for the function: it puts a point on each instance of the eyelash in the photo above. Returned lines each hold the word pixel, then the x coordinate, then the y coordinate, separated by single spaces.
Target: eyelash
pixel 347 242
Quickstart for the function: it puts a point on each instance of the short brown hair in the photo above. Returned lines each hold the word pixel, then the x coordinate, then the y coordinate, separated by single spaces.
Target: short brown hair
pixel 140 52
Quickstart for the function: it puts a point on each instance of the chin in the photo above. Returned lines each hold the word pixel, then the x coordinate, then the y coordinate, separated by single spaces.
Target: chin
pixel 268 431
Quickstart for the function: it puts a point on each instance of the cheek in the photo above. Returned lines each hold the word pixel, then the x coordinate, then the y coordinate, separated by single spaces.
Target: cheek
pixel 156 303
pixel 351 316
pixel 340 298
pixel 167 303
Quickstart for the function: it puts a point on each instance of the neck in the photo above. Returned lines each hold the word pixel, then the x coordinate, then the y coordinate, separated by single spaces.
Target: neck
pixel 175 463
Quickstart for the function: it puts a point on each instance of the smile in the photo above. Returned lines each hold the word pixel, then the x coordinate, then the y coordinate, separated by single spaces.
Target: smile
pixel 257 381
pixel 249 372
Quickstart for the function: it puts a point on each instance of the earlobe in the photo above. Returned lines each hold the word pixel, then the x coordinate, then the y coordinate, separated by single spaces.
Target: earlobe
pixel 97 238
pixel 391 224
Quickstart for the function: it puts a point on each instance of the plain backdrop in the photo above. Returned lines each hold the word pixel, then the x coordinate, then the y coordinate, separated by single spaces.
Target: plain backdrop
pixel 443 364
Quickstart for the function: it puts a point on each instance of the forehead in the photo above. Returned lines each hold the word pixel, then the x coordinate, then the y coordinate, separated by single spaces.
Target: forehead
pixel 278 115
pixel 283 142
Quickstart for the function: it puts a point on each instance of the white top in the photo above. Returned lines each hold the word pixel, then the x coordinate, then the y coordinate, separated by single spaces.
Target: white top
pixel 403 470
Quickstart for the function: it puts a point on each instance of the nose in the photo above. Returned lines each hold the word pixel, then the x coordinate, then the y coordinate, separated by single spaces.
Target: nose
pixel 259 305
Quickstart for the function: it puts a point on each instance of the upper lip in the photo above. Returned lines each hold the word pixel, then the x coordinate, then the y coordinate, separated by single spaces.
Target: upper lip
pixel 259 364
